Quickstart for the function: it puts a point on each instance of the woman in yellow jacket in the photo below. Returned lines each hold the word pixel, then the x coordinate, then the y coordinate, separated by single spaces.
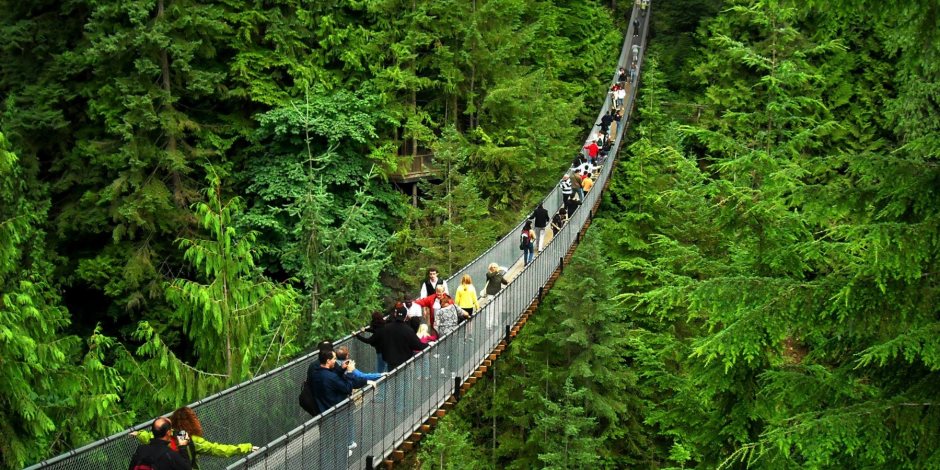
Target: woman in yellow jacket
pixel 466 296
pixel 185 419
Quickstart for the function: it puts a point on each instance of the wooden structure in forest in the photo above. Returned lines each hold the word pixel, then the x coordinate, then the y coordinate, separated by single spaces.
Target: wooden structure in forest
pixel 413 168
pixel 414 164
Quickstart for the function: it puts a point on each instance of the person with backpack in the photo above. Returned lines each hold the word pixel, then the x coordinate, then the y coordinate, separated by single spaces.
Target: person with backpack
pixel 164 451
pixel 185 419
pixel 527 242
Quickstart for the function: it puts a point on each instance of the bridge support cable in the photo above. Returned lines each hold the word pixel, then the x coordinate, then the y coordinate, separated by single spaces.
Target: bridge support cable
pixel 376 422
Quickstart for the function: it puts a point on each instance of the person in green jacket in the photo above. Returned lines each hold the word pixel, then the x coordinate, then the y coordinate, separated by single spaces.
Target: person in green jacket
pixel 185 419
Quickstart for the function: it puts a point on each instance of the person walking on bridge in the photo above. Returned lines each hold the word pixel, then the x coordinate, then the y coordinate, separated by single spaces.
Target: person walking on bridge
pixel 527 243
pixel 587 183
pixel 466 297
pixel 592 148
pixel 430 285
pixel 576 185
pixel 495 281
pixel 399 342
pixel 566 189
pixel 540 219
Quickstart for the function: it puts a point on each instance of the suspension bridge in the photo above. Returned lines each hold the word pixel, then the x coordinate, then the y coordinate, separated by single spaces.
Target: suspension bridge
pixel 387 420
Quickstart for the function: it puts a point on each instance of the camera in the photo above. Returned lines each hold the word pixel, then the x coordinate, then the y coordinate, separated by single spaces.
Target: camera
pixel 182 435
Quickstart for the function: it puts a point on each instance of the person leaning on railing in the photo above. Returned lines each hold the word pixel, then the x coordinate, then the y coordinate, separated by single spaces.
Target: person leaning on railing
pixel 163 451
pixel 375 327
pixel 185 419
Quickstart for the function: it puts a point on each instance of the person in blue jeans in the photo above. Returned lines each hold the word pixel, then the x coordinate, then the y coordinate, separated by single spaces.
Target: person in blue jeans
pixel 527 242
pixel 342 356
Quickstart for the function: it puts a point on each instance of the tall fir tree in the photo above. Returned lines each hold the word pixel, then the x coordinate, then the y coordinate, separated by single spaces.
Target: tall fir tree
pixel 57 392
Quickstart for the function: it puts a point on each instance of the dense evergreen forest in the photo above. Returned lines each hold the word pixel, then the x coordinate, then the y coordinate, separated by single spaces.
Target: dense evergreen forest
pixel 193 192
pixel 760 288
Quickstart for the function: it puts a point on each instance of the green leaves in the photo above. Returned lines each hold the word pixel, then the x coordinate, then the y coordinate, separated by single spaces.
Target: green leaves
pixel 44 383
pixel 779 250
pixel 226 309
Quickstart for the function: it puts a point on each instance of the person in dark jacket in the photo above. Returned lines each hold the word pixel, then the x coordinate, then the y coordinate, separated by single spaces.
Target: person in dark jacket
pixel 606 120
pixel 328 387
pixel 375 327
pixel 540 221
pixel 399 341
pixel 494 281
pixel 559 220
pixel 572 205
pixel 158 454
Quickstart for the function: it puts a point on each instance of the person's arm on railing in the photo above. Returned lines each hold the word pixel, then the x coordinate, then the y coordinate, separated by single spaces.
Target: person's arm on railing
pixel 221 450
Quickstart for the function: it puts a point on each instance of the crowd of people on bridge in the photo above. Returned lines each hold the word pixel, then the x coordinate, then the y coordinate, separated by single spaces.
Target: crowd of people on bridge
pixel 413 324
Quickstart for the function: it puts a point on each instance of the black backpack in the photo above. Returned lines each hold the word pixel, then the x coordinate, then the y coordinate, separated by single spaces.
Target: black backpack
pixel 307 402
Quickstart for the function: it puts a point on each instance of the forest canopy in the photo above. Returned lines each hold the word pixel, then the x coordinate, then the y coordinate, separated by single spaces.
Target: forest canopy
pixel 188 188
pixel 760 286
pixel 758 290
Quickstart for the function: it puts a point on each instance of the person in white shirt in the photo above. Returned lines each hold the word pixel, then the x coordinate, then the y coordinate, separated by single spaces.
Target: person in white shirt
pixel 430 285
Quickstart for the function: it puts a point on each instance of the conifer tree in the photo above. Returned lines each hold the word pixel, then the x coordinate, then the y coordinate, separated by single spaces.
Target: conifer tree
pixel 323 211
pixel 51 397
pixel 786 258
pixel 565 432
pixel 228 307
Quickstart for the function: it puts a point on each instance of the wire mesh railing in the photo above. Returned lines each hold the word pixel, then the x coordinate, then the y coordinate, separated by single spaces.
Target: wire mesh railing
pixel 377 419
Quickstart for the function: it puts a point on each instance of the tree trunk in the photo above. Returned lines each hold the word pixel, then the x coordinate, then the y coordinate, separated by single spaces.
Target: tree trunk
pixel 171 144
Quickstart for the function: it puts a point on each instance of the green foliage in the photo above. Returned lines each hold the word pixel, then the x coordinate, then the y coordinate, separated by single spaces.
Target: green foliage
pixel 229 304
pixel 773 236
pixel 454 221
pixel 778 272
pixel 450 447
pixel 44 385
pixel 323 212
pixel 565 432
